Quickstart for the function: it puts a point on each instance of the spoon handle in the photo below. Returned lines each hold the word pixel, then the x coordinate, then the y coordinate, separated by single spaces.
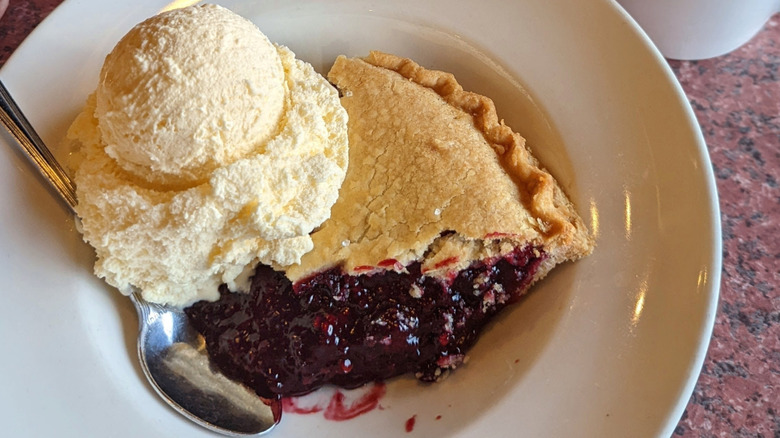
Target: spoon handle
pixel 17 124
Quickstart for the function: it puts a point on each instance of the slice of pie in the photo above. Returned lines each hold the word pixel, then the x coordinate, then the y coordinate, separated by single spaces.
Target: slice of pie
pixel 443 219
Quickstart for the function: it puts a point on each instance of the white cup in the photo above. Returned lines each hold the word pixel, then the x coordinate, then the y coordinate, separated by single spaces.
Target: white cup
pixel 699 29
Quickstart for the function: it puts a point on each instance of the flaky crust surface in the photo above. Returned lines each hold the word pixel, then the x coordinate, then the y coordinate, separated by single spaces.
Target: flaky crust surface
pixel 427 157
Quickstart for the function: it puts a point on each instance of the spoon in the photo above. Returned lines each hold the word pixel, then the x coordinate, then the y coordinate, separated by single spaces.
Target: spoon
pixel 172 353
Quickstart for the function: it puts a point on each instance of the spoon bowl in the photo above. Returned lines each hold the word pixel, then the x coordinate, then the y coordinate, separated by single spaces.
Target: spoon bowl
pixel 174 359
pixel 171 352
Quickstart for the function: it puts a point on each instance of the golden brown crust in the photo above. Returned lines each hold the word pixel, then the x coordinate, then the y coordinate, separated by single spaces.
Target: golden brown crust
pixel 543 195
pixel 428 157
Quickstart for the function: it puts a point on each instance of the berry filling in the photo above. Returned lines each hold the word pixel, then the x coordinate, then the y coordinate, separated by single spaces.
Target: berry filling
pixel 282 339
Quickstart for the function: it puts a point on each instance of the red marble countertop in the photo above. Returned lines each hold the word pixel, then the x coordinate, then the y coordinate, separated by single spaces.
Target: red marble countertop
pixel 736 98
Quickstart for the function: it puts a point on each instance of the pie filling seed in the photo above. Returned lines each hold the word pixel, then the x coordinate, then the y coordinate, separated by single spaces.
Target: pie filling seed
pixel 284 339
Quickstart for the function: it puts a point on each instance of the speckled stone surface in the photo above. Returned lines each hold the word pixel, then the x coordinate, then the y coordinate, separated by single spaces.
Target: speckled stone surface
pixel 20 18
pixel 737 101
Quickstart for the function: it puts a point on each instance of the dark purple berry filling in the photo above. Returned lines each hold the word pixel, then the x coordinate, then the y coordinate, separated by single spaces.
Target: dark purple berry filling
pixel 333 328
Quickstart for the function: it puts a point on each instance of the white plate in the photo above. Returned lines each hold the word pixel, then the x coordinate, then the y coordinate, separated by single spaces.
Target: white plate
pixel 609 346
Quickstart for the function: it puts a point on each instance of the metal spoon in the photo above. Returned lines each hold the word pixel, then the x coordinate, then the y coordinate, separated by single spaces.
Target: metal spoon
pixel 172 354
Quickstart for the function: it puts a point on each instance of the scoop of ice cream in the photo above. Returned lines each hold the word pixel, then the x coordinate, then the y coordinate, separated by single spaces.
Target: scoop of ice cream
pixel 188 91
pixel 177 242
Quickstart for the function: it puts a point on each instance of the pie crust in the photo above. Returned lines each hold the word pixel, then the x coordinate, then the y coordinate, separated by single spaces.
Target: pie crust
pixel 434 175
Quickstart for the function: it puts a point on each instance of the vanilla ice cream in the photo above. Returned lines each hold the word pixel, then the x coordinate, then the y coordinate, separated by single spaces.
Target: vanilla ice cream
pixel 204 150
pixel 186 92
